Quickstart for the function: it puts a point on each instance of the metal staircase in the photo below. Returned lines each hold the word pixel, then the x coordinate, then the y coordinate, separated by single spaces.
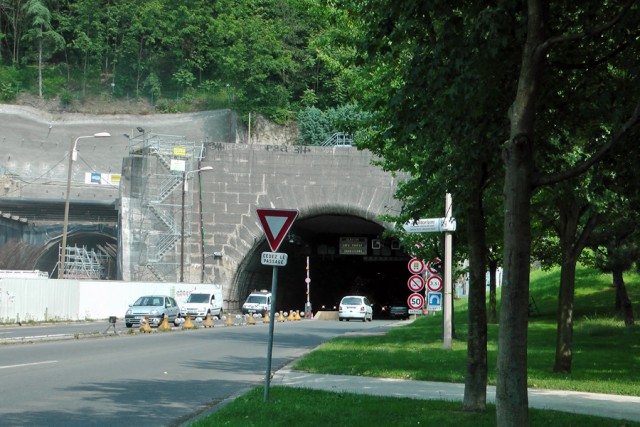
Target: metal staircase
pixel 164 159
pixel 338 139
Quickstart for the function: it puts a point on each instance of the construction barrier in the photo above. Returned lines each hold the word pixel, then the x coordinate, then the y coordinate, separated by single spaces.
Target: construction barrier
pixel 297 316
pixel 266 318
pixel 291 316
pixel 251 320
pixel 281 317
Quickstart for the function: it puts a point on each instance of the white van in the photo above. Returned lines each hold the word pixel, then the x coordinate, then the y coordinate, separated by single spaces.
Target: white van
pixel 257 302
pixel 201 303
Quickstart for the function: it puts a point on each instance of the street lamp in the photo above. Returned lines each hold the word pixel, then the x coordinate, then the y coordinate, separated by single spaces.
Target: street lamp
pixel 73 155
pixel 184 190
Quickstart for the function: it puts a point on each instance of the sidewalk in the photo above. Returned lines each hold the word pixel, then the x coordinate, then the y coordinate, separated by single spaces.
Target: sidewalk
pixel 602 405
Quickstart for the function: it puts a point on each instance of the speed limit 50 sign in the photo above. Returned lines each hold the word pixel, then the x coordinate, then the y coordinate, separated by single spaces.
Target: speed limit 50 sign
pixel 415 301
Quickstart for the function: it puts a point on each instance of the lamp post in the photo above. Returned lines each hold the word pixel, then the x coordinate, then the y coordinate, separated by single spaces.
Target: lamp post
pixel 184 191
pixel 73 155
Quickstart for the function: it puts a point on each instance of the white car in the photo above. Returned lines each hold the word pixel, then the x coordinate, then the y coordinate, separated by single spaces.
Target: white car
pixel 153 308
pixel 355 307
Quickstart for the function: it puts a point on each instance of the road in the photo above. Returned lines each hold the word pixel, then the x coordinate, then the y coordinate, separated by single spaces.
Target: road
pixel 158 379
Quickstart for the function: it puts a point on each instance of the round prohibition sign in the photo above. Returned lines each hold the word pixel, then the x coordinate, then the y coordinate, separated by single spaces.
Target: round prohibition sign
pixel 415 283
pixel 434 283
pixel 416 266
pixel 431 266
pixel 415 301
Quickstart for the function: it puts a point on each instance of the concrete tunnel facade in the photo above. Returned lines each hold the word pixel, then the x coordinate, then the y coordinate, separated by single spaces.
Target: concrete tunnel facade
pixel 226 238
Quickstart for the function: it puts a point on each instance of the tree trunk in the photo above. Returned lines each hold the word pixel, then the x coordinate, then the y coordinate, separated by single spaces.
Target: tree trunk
pixel 512 401
pixel 40 68
pixel 622 298
pixel 475 386
pixel 564 335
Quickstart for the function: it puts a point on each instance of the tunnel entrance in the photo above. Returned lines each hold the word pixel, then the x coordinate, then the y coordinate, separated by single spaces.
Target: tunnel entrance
pixel 347 256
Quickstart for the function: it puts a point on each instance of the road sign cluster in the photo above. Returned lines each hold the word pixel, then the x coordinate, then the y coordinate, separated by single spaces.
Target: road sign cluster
pixel 416 284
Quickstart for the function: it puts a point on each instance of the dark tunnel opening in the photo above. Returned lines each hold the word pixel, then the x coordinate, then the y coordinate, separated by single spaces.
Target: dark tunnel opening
pixel 347 256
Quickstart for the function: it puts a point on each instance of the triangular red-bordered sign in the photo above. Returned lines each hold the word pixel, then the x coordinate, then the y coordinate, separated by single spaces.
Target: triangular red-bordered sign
pixel 276 224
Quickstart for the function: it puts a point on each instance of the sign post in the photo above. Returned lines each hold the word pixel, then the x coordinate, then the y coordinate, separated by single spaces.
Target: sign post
pixel 439 225
pixel 276 224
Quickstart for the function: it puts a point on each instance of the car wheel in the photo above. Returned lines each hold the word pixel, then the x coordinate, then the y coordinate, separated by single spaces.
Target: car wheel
pixel 340 319
pixel 128 325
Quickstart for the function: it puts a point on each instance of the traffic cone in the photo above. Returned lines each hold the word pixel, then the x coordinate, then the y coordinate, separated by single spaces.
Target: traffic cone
pixel 291 316
pixel 297 317
pixel 251 320
pixel 208 321
pixel 144 326
pixel 188 324
pixel 266 318
pixel 281 317
pixel 164 325
pixel 228 321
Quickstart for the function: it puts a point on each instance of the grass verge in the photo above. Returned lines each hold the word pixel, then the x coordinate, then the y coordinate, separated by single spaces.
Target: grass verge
pixel 606 359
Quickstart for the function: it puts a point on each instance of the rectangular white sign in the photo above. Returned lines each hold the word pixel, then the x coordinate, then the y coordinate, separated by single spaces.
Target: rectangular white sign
pixel 430 225
pixel 279 259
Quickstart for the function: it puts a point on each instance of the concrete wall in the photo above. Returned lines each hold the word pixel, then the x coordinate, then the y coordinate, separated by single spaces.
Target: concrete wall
pixel 55 300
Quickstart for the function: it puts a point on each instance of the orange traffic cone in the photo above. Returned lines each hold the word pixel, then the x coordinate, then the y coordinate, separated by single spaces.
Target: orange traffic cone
pixel 144 326
pixel 208 321
pixel 188 324
pixel 164 325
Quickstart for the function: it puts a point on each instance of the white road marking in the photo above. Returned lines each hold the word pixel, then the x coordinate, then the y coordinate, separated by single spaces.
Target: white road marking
pixel 28 364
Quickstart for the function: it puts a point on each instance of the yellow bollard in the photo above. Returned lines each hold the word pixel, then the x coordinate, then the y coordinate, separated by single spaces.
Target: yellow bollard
pixel 281 317
pixel 291 316
pixel 144 326
pixel 266 318
pixel 164 325
pixel 228 321
pixel 188 324
pixel 251 320
pixel 208 321
pixel 297 317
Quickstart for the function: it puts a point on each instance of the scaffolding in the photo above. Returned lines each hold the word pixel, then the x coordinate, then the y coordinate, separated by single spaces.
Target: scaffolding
pixel 164 162
pixel 80 263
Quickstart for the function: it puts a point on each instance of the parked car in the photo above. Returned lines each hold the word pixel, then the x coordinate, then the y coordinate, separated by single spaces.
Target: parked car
pixel 355 307
pixel 153 307
pixel 398 311
pixel 201 303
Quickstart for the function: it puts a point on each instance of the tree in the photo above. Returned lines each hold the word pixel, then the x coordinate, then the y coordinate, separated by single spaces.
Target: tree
pixel 42 33
pixel 523 174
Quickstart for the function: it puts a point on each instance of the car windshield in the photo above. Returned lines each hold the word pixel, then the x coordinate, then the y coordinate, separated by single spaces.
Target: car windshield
pixel 352 301
pixel 198 298
pixel 148 302
pixel 257 299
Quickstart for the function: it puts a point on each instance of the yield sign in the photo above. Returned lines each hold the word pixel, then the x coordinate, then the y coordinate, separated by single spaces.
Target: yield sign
pixel 276 224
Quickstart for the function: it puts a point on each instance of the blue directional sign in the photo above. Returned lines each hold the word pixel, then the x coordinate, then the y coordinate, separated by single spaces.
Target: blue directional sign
pixel 434 301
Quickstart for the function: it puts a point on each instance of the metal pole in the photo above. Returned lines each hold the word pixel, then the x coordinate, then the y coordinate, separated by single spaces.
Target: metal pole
pixel 267 376
pixel 448 252
pixel 65 224
pixel 184 190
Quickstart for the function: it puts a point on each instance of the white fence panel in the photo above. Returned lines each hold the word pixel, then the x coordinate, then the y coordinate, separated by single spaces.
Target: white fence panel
pixel 41 300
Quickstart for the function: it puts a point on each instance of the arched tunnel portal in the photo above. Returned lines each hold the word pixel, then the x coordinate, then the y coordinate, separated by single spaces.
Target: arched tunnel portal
pixel 347 255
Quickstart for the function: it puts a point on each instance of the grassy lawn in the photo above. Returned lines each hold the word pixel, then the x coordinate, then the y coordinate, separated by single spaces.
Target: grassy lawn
pixel 606 360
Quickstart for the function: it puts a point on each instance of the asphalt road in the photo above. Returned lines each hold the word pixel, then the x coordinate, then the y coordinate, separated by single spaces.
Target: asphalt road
pixel 158 379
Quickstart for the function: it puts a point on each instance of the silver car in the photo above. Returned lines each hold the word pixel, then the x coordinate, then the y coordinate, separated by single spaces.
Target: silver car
pixel 154 308
pixel 355 307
